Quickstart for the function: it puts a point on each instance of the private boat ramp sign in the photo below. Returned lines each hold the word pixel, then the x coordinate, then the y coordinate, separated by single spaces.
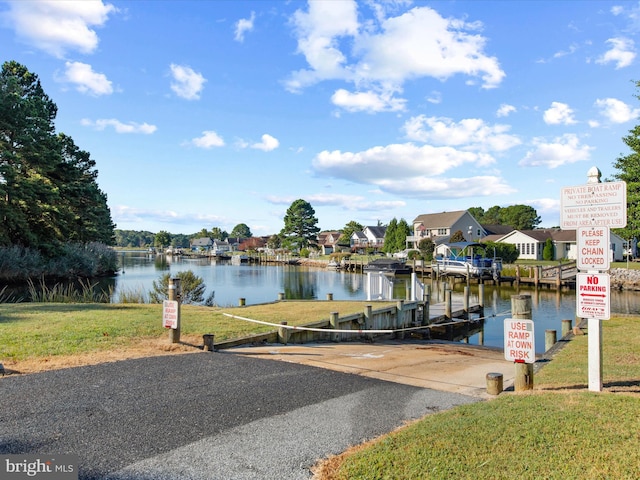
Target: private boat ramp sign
pixel 593 294
pixel 519 341
pixel 594 204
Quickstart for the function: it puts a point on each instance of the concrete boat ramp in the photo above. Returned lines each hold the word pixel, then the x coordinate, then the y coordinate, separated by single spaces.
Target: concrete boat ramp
pixel 449 367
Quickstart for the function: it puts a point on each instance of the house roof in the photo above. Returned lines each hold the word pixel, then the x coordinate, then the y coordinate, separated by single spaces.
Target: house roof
pixel 377 232
pixel 201 242
pixel 497 229
pixel 439 220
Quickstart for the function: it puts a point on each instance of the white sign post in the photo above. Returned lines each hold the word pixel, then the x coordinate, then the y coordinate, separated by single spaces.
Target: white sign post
pixel 592 209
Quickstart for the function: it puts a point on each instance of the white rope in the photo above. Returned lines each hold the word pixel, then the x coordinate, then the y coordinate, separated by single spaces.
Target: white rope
pixel 331 330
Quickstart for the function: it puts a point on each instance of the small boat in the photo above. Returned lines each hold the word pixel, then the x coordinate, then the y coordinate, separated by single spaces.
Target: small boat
pixel 389 266
pixel 334 265
pixel 467 258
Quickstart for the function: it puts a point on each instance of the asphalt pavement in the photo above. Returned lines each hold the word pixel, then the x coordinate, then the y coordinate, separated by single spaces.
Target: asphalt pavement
pixel 205 415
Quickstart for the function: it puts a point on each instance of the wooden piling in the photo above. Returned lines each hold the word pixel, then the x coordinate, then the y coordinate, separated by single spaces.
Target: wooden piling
pixel 521 309
pixel 494 383
pixel 207 340
pixel 174 295
pixel 566 327
pixel 550 338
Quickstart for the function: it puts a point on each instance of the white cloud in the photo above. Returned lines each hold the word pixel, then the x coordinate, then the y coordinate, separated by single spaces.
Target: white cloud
pixel 622 52
pixel 561 151
pixel 559 113
pixel 617 111
pixel 186 83
pixel 267 144
pixel 134 215
pixel 469 133
pixel 208 139
pixel 119 127
pixel 367 101
pixel 418 43
pixel 346 202
pixel 57 26
pixel 505 110
pixel 244 25
pixel 407 169
pixel 86 80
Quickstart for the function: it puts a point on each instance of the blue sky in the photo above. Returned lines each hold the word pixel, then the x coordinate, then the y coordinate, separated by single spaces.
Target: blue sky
pixel 206 114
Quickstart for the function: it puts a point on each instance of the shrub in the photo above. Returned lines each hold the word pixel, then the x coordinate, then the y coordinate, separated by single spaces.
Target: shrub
pixel 192 288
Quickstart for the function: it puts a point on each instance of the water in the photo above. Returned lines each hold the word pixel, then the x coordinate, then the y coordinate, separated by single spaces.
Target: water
pixel 264 283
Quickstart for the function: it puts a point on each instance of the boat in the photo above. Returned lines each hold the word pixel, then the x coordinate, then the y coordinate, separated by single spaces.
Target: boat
pixel 466 258
pixel 334 265
pixel 389 266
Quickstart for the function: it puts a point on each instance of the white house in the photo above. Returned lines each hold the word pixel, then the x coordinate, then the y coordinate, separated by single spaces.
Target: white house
pixel 369 237
pixel 440 226
pixel 530 243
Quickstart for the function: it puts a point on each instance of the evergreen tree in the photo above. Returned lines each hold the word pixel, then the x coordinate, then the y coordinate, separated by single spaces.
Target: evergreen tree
pixel 300 225
pixel 390 236
pixel 629 172
pixel 348 230
pixel 402 232
pixel 48 188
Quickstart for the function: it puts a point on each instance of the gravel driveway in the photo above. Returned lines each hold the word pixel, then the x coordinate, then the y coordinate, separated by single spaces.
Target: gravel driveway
pixel 203 416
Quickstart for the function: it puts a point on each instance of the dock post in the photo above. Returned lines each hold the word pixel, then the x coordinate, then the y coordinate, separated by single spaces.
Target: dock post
pixel 329 296
pixel 283 333
pixel 425 308
pixel 281 296
pixel 447 304
pixel 333 320
pixel 494 383
pixel 550 338
pixel 242 302
pixel 521 308
pixel 400 314
pixel 208 341
pixel 465 302
pixel 368 309
pixel 481 295
pixel 566 327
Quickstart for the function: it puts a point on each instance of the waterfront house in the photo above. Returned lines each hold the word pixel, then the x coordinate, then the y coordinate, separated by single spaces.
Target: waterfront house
pixel 368 238
pixel 530 243
pixel 220 247
pixel 202 244
pixel 440 226
pixel 328 242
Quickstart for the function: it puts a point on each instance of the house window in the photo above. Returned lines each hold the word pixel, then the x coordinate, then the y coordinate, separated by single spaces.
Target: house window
pixel 527 249
pixel 442 231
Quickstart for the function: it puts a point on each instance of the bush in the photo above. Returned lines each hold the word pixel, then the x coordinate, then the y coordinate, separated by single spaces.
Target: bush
pixel 192 288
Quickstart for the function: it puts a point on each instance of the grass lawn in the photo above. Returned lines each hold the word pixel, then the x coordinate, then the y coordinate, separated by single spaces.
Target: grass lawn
pixel 558 431
pixel 37 336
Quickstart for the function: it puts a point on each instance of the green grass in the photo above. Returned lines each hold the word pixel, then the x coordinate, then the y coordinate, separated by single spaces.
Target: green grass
pixel 559 431
pixel 32 330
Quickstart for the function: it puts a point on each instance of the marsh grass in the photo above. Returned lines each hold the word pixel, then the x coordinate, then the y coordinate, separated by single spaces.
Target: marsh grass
pixel 83 292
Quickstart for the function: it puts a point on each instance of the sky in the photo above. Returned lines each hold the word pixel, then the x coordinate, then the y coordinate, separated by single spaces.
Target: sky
pixel 203 114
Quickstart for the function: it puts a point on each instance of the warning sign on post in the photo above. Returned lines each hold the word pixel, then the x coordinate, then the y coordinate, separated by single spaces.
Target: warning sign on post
pixel 593 248
pixel 519 341
pixel 170 314
pixel 593 294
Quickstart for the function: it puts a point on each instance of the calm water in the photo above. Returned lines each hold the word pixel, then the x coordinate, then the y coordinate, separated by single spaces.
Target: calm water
pixel 260 284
